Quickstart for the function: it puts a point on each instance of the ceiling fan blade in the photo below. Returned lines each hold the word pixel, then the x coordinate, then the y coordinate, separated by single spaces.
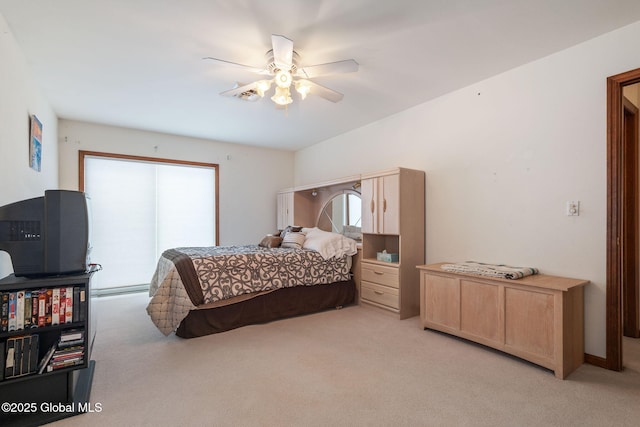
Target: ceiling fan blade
pixel 282 51
pixel 235 64
pixel 324 92
pixel 339 67
pixel 238 90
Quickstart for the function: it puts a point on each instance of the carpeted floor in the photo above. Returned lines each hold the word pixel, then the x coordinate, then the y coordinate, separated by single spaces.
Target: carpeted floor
pixel 350 367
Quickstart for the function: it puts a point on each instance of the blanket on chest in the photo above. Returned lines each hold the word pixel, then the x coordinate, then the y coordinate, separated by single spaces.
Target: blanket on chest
pixel 490 270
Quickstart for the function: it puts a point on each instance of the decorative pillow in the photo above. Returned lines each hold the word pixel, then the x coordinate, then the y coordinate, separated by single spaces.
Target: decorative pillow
pixel 328 244
pixel 293 240
pixel 289 228
pixel 271 241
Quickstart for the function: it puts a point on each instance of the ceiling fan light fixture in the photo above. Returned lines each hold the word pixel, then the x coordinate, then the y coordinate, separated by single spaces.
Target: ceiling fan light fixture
pixel 284 70
pixel 263 86
pixel 303 88
pixel 283 78
pixel 282 96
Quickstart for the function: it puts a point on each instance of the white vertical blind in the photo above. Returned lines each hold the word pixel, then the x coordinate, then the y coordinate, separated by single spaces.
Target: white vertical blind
pixel 140 209
pixel 185 214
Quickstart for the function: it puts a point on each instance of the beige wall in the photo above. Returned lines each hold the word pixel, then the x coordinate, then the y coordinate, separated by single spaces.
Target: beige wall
pixel 502 157
pixel 249 177
pixel 20 97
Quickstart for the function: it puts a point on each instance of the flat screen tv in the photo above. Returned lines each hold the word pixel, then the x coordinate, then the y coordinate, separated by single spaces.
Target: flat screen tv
pixel 48 235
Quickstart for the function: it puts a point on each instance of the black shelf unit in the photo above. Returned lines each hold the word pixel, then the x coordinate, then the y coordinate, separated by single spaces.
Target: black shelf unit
pixel 36 399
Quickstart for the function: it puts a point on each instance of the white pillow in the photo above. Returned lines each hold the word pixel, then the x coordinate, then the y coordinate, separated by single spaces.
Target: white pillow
pixel 328 244
pixel 293 240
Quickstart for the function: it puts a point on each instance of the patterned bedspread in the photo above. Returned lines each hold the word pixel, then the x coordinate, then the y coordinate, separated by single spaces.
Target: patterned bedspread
pixel 186 278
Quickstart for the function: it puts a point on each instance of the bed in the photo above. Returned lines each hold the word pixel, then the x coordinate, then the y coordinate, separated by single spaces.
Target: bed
pixel 198 291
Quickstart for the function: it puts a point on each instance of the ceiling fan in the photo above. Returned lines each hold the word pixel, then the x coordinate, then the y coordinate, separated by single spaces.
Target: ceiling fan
pixel 283 70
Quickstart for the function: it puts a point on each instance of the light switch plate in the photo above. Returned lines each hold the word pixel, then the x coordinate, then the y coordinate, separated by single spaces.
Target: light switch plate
pixel 573 208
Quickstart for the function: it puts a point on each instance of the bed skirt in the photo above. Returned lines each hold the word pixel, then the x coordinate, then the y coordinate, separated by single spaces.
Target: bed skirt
pixel 279 304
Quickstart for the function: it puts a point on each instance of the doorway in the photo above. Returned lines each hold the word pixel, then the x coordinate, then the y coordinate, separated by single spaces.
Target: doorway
pixel 622 217
pixel 630 102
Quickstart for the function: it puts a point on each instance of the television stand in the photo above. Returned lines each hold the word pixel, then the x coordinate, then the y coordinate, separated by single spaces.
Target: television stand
pixel 33 399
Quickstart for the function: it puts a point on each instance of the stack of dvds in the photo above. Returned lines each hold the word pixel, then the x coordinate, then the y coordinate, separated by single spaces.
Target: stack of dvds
pixel 67 352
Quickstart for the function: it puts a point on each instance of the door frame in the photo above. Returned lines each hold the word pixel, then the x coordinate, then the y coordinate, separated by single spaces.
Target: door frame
pixel 615 210
pixel 630 326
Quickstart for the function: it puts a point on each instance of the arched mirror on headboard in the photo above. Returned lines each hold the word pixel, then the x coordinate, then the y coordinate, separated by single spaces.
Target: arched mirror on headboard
pixel 342 214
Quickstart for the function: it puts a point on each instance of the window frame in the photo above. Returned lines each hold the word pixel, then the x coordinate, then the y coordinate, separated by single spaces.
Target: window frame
pixel 82 154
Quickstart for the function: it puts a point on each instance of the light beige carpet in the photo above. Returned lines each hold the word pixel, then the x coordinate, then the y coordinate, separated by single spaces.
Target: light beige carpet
pixel 352 367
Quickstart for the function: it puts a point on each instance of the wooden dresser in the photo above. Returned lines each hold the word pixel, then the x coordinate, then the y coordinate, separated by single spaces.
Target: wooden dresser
pixel 538 318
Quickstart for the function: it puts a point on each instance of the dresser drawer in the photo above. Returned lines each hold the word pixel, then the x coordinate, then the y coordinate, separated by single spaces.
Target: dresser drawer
pixel 380 294
pixel 380 274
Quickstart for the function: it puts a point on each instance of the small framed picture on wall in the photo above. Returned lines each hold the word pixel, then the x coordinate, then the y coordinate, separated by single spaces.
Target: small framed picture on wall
pixel 35 144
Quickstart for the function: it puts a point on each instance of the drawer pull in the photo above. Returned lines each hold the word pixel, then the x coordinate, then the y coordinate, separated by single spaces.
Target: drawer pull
pixel 378 293
pixel 379 273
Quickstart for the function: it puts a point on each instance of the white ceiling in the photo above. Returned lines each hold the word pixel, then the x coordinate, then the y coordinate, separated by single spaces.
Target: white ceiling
pixel 138 63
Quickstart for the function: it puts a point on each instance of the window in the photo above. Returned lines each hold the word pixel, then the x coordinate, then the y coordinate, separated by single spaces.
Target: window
pixel 353 209
pixel 142 207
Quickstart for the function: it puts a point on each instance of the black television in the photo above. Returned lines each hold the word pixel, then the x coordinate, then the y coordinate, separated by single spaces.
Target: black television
pixel 47 235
